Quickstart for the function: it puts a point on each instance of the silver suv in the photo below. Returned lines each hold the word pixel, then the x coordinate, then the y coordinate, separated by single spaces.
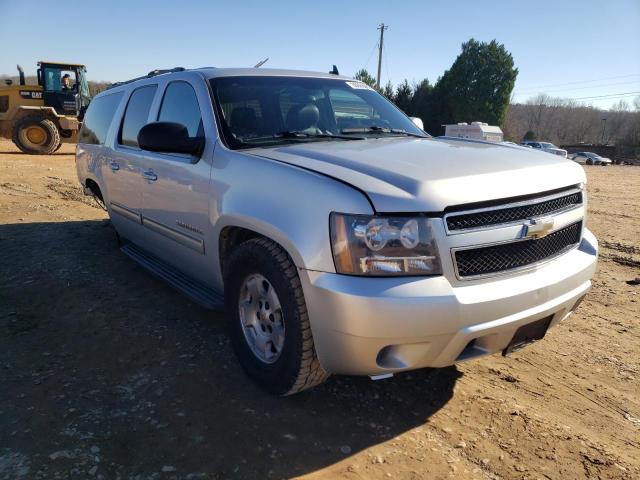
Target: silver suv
pixel 340 238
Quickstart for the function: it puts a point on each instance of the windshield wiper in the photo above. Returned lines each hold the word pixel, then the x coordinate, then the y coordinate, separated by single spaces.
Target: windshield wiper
pixel 376 129
pixel 301 134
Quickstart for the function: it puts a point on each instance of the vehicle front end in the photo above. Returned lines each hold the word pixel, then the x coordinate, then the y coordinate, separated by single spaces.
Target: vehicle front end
pixel 457 248
pixel 451 287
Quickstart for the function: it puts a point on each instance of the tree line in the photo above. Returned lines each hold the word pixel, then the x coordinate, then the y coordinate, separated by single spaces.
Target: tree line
pixel 567 122
pixel 477 87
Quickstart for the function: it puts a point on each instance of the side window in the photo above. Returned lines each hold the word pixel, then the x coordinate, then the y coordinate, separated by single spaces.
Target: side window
pixel 98 119
pixel 136 115
pixel 180 105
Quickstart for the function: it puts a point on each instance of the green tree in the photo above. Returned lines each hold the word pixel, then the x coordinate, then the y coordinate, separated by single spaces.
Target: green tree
pixel 404 97
pixel 365 77
pixel 387 91
pixel 422 100
pixel 477 87
pixel 530 135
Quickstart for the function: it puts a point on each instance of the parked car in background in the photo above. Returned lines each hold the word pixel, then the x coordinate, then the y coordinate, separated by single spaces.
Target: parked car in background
pixel 340 238
pixel 545 147
pixel 590 158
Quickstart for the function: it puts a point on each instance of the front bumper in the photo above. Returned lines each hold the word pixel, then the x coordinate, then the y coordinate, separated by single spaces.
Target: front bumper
pixel 371 326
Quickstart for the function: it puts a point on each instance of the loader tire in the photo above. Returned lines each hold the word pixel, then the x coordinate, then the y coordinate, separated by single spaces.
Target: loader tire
pixel 36 135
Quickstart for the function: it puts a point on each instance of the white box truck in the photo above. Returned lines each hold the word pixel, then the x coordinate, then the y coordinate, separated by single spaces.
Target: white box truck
pixel 474 130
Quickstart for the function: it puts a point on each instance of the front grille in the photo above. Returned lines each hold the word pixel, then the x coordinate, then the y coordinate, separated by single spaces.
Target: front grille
pixel 513 214
pixel 509 256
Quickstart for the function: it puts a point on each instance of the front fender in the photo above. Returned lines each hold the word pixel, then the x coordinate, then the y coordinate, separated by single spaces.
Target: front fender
pixel 287 204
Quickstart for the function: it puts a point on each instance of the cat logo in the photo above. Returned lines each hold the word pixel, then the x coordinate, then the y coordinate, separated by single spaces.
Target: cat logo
pixel 31 95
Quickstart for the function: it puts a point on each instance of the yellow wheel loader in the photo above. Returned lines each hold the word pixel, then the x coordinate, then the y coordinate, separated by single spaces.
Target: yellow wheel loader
pixel 39 118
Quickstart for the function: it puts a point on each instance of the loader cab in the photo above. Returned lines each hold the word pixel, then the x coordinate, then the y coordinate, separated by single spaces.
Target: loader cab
pixel 65 87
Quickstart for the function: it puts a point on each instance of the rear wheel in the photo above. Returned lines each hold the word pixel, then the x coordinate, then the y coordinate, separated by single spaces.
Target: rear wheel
pixel 36 135
pixel 268 319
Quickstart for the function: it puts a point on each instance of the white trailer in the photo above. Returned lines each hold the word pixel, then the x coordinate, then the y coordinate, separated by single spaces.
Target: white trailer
pixel 474 130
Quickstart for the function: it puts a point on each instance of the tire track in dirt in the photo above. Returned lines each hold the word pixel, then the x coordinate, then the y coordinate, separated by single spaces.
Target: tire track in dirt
pixel 69 191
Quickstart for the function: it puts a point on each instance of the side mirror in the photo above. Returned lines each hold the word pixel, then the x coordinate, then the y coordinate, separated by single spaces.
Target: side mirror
pixel 418 122
pixel 169 137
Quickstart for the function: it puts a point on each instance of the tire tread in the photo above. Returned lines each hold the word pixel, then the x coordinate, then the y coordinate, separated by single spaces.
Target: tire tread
pixel 310 372
pixel 48 124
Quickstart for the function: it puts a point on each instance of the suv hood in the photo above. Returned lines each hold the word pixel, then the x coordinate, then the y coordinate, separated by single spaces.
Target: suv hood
pixel 429 175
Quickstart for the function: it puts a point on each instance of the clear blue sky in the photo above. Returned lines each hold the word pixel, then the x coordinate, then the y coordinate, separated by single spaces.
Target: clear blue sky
pixel 555 44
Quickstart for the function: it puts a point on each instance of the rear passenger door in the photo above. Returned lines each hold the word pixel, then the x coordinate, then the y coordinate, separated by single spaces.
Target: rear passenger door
pixel 124 167
pixel 175 189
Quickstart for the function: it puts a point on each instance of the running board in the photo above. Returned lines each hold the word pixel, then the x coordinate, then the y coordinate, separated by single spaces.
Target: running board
pixel 195 290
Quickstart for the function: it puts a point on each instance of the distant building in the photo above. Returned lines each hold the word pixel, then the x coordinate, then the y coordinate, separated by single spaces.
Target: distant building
pixel 475 131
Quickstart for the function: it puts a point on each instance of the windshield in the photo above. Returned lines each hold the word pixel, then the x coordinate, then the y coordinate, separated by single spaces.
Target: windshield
pixel 260 110
pixel 547 145
pixel 593 155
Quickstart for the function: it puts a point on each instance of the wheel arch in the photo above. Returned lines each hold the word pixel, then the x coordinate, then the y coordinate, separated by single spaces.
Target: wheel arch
pixel 93 188
pixel 43 112
pixel 235 230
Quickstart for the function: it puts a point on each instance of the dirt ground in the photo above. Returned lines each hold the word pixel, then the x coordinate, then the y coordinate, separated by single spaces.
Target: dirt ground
pixel 106 372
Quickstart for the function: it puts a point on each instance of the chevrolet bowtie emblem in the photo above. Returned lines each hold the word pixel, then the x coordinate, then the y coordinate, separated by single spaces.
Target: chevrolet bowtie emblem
pixel 537 228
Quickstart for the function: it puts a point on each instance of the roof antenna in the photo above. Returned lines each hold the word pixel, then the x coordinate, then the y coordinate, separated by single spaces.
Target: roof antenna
pixel 259 64
pixel 334 71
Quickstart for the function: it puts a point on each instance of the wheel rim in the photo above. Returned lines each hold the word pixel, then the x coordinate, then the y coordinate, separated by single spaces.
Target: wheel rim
pixel 35 135
pixel 261 318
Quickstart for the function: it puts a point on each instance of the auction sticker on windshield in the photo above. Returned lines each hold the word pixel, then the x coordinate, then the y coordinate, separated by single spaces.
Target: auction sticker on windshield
pixel 359 85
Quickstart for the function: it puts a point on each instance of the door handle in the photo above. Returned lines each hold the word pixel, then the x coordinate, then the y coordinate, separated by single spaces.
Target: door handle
pixel 152 177
pixel 114 166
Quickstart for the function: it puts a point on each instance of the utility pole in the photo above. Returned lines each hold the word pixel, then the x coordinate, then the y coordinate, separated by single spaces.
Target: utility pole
pixel 382 27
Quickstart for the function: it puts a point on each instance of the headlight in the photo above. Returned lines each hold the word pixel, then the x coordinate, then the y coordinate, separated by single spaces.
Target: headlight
pixel 383 246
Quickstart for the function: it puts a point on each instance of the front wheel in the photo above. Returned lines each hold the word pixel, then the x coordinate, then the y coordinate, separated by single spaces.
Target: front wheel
pixel 268 319
pixel 36 135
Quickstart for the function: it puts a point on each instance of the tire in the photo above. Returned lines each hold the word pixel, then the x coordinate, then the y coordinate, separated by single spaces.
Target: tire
pixel 589 162
pixel 36 135
pixel 294 366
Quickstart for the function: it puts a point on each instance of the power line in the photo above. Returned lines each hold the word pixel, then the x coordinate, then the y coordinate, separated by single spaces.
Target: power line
pixel 581 81
pixel 583 88
pixel 624 94
pixel 375 45
pixel 386 62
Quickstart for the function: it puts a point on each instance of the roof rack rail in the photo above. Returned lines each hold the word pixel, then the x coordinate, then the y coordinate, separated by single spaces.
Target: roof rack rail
pixel 152 73
pixel 159 71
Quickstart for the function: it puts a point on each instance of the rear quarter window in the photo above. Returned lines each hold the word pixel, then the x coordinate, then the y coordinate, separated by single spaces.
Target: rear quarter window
pixel 136 115
pixel 98 119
